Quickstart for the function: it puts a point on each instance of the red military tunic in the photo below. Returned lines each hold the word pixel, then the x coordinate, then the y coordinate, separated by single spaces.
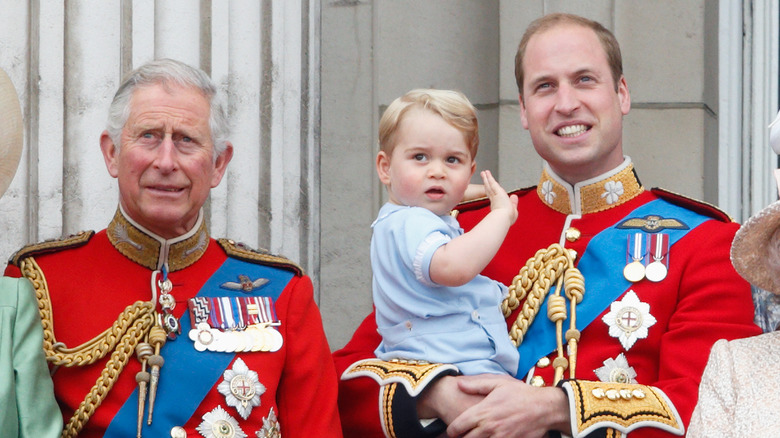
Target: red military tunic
pixel 91 279
pixel 657 334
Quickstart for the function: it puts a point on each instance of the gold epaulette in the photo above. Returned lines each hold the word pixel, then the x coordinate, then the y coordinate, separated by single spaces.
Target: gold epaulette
pixel 414 375
pixel 700 207
pixel 242 252
pixel 54 245
pixel 620 406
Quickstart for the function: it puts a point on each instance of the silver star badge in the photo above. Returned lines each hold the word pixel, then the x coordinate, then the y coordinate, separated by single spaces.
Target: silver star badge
pixel 616 370
pixel 242 388
pixel 219 424
pixel 629 319
pixel 271 428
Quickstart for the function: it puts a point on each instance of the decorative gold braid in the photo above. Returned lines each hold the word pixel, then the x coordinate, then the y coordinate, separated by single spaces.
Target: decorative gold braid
pixel 132 325
pixel 552 264
pixel 119 358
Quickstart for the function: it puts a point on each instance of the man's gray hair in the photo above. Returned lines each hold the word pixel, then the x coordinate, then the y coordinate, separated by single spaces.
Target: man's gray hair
pixel 164 72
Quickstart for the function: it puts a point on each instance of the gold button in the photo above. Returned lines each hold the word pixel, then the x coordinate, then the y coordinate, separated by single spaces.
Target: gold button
pixel 573 234
pixel 537 381
pixel 543 362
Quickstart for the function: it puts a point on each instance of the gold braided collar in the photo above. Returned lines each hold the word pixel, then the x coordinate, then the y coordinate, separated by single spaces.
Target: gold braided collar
pixel 601 193
pixel 152 251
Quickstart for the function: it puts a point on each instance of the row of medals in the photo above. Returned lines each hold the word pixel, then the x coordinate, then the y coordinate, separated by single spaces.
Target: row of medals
pixel 256 337
pixel 656 270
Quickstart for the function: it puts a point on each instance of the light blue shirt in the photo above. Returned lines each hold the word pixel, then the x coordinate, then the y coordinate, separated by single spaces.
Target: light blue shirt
pixel 421 320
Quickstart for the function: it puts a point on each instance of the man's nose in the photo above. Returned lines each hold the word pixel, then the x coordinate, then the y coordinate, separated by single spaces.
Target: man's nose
pixel 567 100
pixel 166 155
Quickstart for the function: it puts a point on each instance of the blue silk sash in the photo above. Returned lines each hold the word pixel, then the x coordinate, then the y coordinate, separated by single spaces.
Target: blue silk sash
pixel 185 381
pixel 602 266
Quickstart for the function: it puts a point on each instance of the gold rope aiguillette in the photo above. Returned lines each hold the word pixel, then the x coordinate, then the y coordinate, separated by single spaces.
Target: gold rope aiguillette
pixel 126 334
pixel 555 264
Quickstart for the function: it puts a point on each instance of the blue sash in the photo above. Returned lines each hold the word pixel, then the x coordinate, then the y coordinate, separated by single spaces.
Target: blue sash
pixel 185 381
pixel 602 266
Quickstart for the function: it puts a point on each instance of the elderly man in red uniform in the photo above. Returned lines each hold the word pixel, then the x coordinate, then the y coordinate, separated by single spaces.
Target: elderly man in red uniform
pixel 154 328
pixel 637 284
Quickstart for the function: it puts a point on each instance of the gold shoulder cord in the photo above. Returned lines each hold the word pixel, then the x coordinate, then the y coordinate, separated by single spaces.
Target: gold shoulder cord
pixel 553 264
pixel 132 325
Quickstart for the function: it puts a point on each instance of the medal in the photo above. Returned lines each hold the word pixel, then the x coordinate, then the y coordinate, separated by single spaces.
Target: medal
pixel 635 270
pixel 659 245
pixel 234 324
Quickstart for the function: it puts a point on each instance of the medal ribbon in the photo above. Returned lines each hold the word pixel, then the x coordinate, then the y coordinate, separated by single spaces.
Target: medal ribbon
pixel 659 244
pixel 636 248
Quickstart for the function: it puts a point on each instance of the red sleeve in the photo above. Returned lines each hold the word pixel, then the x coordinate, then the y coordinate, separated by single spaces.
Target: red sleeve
pixel 12 271
pixel 308 385
pixel 359 397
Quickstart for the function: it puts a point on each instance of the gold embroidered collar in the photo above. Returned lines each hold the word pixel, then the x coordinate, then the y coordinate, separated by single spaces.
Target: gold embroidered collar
pixel 152 251
pixel 590 196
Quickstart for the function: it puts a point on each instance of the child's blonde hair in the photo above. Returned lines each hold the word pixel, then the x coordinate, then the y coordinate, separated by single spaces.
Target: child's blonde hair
pixel 452 106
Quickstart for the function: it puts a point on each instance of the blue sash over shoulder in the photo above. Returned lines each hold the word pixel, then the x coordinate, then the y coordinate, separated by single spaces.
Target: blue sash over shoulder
pixel 185 381
pixel 602 266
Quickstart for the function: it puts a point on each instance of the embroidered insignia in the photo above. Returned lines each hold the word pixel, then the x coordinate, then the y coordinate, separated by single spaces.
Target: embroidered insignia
pixel 629 319
pixel 199 246
pixel 415 376
pixel 219 424
pixel 241 388
pixel 652 224
pixel 547 192
pixel 271 428
pixel 123 236
pixel 612 191
pixel 245 284
pixel 616 370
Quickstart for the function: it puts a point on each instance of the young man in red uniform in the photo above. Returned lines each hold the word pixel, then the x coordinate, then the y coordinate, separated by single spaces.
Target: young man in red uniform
pixel 154 328
pixel 658 289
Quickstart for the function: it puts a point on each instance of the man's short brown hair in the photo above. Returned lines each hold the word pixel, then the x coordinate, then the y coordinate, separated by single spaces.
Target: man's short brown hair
pixel 547 22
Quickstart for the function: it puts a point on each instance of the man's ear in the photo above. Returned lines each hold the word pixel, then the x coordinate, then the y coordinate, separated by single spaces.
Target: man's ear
pixel 220 165
pixel 624 96
pixel 383 167
pixel 110 154
pixel 523 116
